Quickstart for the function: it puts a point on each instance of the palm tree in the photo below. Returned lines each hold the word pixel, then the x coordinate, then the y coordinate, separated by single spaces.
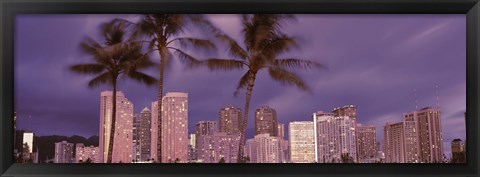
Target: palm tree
pixel 114 59
pixel 161 32
pixel 264 42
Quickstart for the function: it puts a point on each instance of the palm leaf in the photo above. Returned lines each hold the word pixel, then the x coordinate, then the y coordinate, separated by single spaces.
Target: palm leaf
pixel 187 59
pixel 88 68
pixel 224 64
pixel 105 78
pixel 141 77
pixel 195 43
pixel 287 78
pixel 292 63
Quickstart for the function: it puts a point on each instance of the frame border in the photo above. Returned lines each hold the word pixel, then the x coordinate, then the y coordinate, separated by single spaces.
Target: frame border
pixel 9 8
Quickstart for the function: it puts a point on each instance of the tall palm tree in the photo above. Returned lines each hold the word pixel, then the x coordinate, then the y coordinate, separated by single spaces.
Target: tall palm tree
pixel 161 32
pixel 115 58
pixel 264 42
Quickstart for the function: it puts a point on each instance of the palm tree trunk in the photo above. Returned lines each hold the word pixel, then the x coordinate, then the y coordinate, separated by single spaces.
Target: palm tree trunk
pixel 159 105
pixel 251 81
pixel 112 125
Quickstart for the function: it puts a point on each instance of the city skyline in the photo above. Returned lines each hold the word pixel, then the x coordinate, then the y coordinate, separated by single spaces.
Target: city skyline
pixel 380 84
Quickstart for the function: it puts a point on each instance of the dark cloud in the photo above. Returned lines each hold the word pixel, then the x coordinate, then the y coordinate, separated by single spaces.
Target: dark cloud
pixel 374 62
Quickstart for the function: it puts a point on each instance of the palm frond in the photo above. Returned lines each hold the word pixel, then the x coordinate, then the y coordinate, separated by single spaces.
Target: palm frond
pixel 195 43
pixel 224 64
pixel 88 68
pixel 234 49
pixel 174 24
pixel 287 78
pixel 187 59
pixel 141 77
pixel 293 63
pixel 277 45
pixel 241 84
pixel 105 78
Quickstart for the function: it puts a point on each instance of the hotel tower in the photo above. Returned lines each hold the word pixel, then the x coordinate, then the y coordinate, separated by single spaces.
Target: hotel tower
pixel 122 143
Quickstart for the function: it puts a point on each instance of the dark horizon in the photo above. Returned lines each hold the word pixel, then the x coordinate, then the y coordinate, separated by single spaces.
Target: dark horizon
pixel 374 62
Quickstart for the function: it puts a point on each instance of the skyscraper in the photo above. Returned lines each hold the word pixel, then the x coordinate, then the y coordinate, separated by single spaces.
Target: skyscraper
pixel 175 127
pixel 411 130
pixel 335 138
pixel 136 138
pixel 430 135
pixel 302 141
pixel 83 153
pixel 122 143
pixel 281 130
pixel 394 142
pixel 192 151
pixel 63 152
pixel 458 153
pixel 219 145
pixel 145 134
pixel 230 119
pixel 266 121
pixel 206 128
pixel 267 149
pixel 366 144
pixel 154 133
pixel 348 110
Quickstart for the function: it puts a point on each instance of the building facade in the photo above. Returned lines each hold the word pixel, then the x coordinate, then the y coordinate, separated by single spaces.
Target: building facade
pixel 430 135
pixel 145 134
pixel 335 138
pixel 264 148
pixel 366 144
pixel 86 153
pixel 348 110
pixel 63 152
pixel 230 120
pixel 302 142
pixel 394 140
pixel 266 121
pixel 219 145
pixel 175 128
pixel 122 143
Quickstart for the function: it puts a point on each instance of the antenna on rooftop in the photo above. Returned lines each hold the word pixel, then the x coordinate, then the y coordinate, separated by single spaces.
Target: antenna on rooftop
pixel 438 99
pixel 416 99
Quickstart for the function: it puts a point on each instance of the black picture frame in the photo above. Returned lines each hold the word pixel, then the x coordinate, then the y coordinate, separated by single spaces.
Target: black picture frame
pixel 9 8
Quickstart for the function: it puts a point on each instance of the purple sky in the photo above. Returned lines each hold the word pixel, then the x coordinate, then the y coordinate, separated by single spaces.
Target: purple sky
pixel 374 62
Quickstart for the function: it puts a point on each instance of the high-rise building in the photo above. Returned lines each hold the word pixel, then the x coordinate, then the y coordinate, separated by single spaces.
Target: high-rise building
pixel 348 110
pixel 206 128
pixel 366 144
pixel 220 145
pixel 458 153
pixel 266 121
pixel 63 152
pixel 154 133
pixel 145 134
pixel 394 139
pixel 136 138
pixel 281 130
pixel 430 135
pixel 122 142
pixel 251 150
pixel 267 149
pixel 28 140
pixel 175 128
pixel 192 151
pixel 335 140
pixel 86 153
pixel 412 151
pixel 302 142
pixel 230 120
